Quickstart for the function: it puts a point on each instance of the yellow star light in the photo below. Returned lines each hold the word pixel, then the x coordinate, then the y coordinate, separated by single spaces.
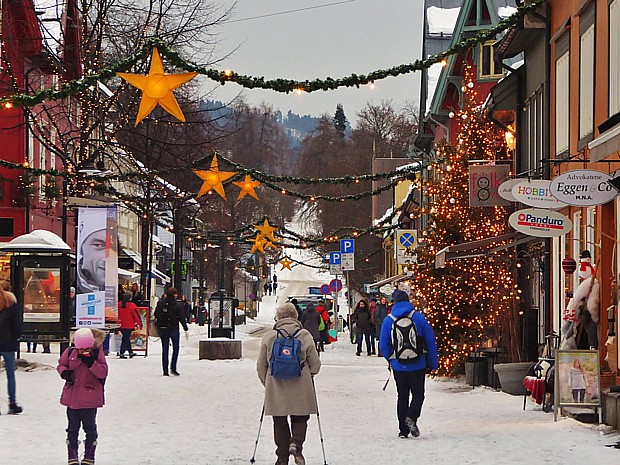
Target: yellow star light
pixel 271 245
pixel 247 187
pixel 259 244
pixel 157 88
pixel 266 230
pixel 286 263
pixel 213 179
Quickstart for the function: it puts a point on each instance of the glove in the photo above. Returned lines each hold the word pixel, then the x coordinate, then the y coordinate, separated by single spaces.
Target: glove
pixel 88 361
pixel 186 335
pixel 67 375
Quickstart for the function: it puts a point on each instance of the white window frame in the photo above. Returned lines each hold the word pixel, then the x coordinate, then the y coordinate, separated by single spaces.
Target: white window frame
pixel 576 245
pixel 590 234
pixel 586 82
pixel 562 102
pixel 614 57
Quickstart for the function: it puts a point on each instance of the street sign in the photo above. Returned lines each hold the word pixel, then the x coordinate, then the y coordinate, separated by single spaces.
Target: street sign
pixel 347 261
pixel 335 266
pixel 386 289
pixel 325 289
pixel 347 245
pixel 406 243
pixel 335 285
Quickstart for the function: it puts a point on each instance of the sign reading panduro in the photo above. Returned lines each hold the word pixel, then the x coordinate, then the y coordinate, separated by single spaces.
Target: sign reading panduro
pixel 540 223
pixel 583 188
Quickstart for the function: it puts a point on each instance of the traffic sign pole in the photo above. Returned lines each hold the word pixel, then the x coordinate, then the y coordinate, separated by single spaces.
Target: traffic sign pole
pixel 336 307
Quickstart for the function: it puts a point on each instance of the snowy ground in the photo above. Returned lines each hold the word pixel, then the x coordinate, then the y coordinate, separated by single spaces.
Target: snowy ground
pixel 210 414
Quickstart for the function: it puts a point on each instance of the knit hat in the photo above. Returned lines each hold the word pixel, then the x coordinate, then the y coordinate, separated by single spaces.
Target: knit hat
pixel 399 296
pixel 83 338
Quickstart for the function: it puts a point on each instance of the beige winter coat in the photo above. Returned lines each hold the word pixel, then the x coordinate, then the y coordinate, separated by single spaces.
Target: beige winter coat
pixel 289 396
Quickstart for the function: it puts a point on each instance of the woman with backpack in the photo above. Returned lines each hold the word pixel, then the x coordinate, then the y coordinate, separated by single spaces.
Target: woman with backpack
pixel 10 332
pixel 323 324
pixel 168 315
pixel 130 321
pixel 311 320
pixel 289 387
pixel 362 319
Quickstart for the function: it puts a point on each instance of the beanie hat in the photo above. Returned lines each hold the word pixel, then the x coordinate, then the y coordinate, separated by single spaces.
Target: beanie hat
pixel 400 296
pixel 83 338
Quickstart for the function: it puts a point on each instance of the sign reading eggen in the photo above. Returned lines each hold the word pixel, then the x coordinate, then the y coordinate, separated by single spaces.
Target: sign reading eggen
pixel 536 193
pixel 583 188
pixel 540 223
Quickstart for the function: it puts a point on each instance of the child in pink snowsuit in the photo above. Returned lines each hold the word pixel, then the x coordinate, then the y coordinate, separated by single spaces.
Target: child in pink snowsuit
pixel 83 368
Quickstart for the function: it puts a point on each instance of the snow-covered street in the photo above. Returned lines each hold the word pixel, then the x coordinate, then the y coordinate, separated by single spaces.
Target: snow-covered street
pixel 210 414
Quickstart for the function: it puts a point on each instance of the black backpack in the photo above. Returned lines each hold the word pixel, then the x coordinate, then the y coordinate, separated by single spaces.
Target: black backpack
pixel 163 316
pixel 408 345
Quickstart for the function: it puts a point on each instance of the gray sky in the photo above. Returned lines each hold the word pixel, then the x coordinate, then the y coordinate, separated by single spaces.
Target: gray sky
pixel 355 36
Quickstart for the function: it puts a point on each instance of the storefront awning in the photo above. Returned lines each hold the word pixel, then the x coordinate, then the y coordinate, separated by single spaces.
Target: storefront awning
pixel 135 256
pixel 481 247
pixel 383 282
pixel 605 145
pixel 164 278
pixel 125 274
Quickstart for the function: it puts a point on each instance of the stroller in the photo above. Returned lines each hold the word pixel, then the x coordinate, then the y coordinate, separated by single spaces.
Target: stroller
pixel 540 382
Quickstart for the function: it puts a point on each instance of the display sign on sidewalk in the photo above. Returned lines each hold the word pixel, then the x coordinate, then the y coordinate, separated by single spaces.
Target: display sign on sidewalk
pixel 90 310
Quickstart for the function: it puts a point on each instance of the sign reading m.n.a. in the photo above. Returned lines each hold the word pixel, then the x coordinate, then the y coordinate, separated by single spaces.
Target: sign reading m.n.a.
pixel 583 188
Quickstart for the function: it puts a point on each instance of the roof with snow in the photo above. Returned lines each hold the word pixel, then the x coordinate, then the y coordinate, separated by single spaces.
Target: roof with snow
pixel 441 20
pixel 36 241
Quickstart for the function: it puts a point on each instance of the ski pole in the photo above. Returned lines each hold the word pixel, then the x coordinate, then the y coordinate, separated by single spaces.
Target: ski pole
pixel 318 419
pixel 260 425
pixel 389 377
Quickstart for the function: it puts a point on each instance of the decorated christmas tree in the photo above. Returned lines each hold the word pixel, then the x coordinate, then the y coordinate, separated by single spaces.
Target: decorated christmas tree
pixel 470 300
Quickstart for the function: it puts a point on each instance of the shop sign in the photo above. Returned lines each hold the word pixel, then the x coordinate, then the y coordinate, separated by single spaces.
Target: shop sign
pixel 505 189
pixel 536 193
pixel 540 223
pixel 484 182
pixel 583 188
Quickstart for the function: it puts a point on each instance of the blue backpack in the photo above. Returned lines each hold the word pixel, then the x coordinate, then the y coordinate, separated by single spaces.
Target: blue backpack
pixel 285 360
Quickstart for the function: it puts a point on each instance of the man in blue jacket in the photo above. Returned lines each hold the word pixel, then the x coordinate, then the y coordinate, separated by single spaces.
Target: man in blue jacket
pixel 409 376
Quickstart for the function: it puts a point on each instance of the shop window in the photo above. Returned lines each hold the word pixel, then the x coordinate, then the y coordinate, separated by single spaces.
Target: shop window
pixel 614 57
pixel 7 227
pixel 586 73
pixel 489 67
pixel 562 94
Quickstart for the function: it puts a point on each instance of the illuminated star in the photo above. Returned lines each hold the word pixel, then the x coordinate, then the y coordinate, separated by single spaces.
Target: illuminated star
pixel 286 263
pixel 259 243
pixel 266 230
pixel 247 187
pixel 271 245
pixel 213 179
pixel 157 88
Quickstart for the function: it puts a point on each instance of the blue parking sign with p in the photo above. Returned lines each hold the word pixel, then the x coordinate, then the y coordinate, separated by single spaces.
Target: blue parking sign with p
pixel 347 245
pixel 334 258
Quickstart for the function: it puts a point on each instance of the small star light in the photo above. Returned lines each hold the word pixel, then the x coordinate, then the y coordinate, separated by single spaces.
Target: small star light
pixel 157 88
pixel 286 263
pixel 247 187
pixel 213 179
pixel 266 230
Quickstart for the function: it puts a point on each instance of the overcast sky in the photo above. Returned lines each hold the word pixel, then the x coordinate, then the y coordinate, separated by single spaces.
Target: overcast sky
pixel 335 40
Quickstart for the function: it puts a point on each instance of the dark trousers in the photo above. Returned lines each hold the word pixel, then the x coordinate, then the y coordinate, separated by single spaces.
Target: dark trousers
pixel 323 339
pixel 359 343
pixel 166 335
pixel 409 382
pixel 284 436
pixel 126 341
pixel 87 418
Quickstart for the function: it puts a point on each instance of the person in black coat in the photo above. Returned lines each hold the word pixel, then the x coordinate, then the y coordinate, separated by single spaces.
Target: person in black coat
pixel 310 320
pixel 10 331
pixel 168 315
pixel 362 319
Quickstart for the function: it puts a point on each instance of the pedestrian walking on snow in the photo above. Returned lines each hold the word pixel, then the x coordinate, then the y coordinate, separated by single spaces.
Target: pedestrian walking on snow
pixel 310 320
pixel 363 327
pixel 381 313
pixel 10 332
pixel 168 315
pixel 84 369
pixel 409 374
pixel 324 325
pixel 292 397
pixel 130 321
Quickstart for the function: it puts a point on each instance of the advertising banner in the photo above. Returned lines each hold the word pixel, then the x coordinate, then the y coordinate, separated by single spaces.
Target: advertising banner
pixel 536 193
pixel 97 255
pixel 139 339
pixel 484 183
pixel 90 310
pixel 540 223
pixel 583 188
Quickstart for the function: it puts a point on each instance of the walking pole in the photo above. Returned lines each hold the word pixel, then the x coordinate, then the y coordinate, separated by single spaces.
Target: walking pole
pixel 318 419
pixel 262 415
pixel 389 377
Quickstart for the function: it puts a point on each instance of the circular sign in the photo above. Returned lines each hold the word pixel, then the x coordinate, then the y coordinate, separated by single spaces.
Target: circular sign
pixel 536 193
pixel 335 285
pixel 583 188
pixel 386 289
pixel 505 189
pixel 325 289
pixel 540 223
pixel 252 296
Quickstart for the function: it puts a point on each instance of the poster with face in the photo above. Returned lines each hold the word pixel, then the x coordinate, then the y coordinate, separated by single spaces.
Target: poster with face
pixel 97 257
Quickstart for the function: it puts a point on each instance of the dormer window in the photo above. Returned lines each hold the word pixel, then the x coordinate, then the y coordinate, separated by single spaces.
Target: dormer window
pixel 489 67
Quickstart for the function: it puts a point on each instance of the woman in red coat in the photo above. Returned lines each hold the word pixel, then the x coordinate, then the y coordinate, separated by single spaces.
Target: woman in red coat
pixel 130 321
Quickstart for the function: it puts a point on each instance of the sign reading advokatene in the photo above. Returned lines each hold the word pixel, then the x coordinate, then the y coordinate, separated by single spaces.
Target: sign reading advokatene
pixel 583 188
pixel 540 223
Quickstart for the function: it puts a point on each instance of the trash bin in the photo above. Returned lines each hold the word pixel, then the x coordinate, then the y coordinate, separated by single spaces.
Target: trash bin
pixel 476 366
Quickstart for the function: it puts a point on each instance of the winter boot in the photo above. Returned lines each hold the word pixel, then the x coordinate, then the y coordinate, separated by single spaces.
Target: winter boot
pixel 15 409
pixel 72 452
pixel 296 453
pixel 89 454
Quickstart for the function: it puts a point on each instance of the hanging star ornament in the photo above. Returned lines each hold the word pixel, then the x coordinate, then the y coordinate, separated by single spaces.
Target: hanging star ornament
pixel 286 263
pixel 247 187
pixel 213 179
pixel 266 230
pixel 157 88
pixel 259 244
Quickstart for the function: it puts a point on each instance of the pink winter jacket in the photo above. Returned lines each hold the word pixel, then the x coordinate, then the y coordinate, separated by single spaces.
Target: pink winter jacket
pixel 86 390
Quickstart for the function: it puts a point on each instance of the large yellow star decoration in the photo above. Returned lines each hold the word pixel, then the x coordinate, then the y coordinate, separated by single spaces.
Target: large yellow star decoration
pixel 157 88
pixel 266 230
pixel 259 244
pixel 264 238
pixel 247 187
pixel 286 263
pixel 213 179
